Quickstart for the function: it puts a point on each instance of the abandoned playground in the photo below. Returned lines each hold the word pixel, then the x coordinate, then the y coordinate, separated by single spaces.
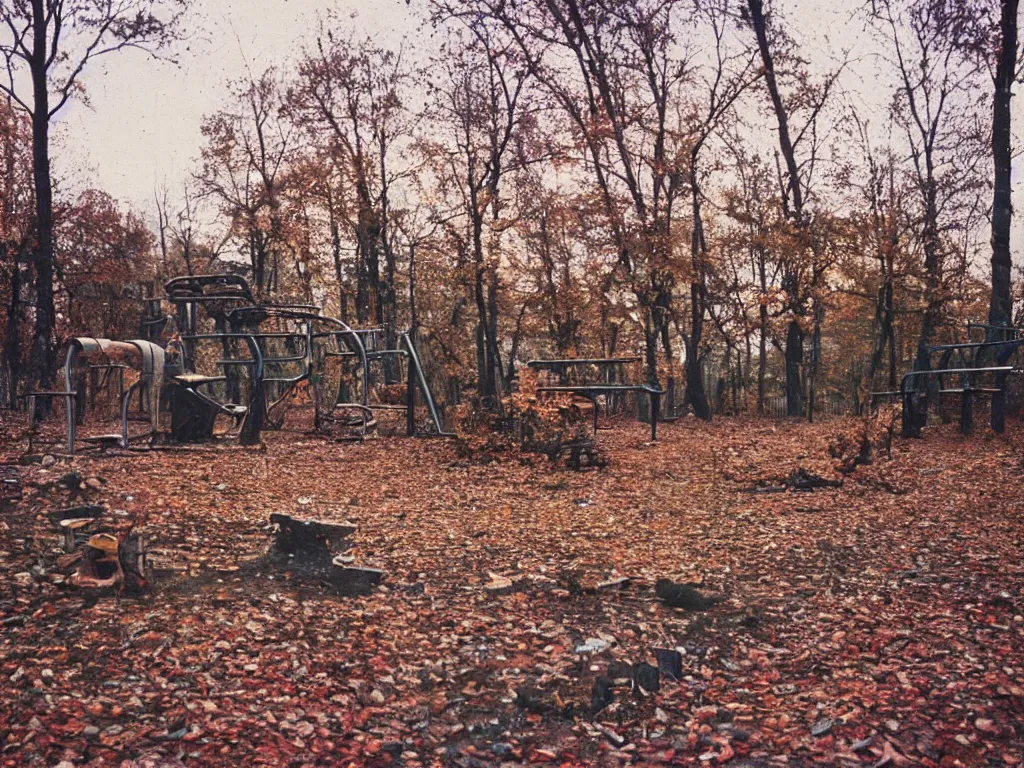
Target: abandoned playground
pixel 221 546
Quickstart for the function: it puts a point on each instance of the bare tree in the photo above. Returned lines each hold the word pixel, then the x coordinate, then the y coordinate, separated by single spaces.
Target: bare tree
pixel 348 95
pixel 1005 75
pixel 243 170
pixel 483 113
pixel 798 144
pixel 725 80
pixel 935 107
pixel 52 42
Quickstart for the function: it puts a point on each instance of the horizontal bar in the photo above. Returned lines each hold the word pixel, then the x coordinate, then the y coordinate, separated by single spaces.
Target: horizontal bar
pixel 604 388
pixel 584 361
pixel 910 374
pixel 974 345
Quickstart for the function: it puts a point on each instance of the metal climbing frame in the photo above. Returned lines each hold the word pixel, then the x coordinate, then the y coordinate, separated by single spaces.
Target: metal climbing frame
pixel 173 374
pixel 374 346
pixel 313 339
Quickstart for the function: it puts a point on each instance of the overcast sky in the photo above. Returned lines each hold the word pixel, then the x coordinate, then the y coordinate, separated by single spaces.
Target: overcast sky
pixel 142 126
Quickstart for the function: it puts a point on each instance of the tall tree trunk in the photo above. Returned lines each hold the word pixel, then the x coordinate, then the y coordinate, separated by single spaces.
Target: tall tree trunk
pixel 892 350
pixel 493 352
pixel 762 343
pixel 883 332
pixel 1000 307
pixel 819 316
pixel 362 282
pixel 793 205
pixel 43 353
pixel 762 359
pixel 794 362
pixel 12 341
pixel 933 272
pixel 413 320
pixel 339 274
pixel 695 394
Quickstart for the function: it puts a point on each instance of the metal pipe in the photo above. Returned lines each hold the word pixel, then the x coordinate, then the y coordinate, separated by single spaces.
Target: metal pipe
pixel 427 395
pixel 69 364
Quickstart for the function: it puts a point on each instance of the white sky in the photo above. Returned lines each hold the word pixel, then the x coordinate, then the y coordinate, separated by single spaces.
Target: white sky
pixel 142 126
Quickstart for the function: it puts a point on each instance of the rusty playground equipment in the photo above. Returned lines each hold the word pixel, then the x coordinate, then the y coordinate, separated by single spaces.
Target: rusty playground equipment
pixel 224 356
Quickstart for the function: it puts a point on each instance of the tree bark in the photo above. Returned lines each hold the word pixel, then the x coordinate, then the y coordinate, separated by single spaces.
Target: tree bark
pixel 695 394
pixel 792 192
pixel 794 361
pixel 762 358
pixel 12 341
pixel 819 316
pixel 43 355
pixel 1001 306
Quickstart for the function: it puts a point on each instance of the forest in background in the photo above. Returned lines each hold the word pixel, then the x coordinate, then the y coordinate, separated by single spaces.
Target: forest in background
pixel 673 179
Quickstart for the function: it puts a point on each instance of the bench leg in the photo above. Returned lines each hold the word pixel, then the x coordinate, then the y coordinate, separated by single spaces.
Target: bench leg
pixel 999 405
pixel 966 412
pixel 655 407
pixel 911 422
pixel 72 424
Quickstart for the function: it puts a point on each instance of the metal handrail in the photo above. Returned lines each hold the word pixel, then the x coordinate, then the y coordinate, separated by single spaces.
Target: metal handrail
pixel 941 371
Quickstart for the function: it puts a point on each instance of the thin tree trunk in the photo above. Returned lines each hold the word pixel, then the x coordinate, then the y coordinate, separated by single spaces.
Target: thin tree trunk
pixel 339 274
pixel 794 362
pixel 695 394
pixel 43 353
pixel 762 359
pixel 883 326
pixel 413 320
pixel 792 192
pixel 819 313
pixel 12 342
pixel 1001 306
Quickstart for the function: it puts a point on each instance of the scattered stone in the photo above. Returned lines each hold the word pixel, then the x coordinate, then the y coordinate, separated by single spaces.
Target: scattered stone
pixel 501 749
pixel 90 730
pixel 377 697
pixel 48 461
pixel 94 484
pixel 612 736
pixel 498 585
pixel 822 727
pixel 592 645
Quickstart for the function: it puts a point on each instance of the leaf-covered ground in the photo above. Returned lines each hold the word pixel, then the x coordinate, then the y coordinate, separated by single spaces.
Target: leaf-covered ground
pixel 881 623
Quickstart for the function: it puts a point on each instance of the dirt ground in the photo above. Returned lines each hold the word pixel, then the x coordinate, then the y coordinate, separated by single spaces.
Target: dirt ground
pixel 880 623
